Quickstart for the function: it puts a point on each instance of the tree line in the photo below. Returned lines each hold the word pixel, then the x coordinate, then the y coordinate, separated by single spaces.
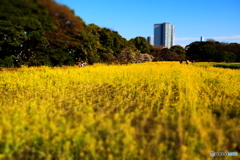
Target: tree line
pixel 205 51
pixel 43 32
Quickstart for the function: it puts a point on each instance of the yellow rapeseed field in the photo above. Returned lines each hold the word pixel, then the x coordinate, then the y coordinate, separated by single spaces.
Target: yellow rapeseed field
pixel 161 110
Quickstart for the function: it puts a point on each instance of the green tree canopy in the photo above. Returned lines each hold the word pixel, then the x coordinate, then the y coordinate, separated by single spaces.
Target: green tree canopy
pixel 43 32
pixel 23 26
pixel 213 51
pixel 141 44
pixel 178 49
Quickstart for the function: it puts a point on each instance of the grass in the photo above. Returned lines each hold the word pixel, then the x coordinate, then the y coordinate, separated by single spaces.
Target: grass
pixel 161 110
pixel 220 65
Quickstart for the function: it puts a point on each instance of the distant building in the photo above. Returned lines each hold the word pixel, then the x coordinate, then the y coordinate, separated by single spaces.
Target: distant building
pixel 150 40
pixel 164 34
pixel 202 39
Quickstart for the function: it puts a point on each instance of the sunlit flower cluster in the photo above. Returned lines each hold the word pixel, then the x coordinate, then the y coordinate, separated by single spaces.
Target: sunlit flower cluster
pixel 161 110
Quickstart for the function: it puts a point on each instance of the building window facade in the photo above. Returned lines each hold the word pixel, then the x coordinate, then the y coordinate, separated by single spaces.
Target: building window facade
pixel 164 34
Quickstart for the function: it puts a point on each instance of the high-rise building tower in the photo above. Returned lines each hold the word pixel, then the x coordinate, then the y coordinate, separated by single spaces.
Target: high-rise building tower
pixel 150 40
pixel 164 34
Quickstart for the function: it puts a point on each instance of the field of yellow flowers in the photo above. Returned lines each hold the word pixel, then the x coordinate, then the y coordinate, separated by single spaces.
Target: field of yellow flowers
pixel 161 110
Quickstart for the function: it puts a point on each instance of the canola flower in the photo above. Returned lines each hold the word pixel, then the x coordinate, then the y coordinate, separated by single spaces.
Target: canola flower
pixel 160 110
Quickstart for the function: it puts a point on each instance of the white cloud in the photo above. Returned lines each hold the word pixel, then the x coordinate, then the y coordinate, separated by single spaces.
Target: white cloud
pixel 230 37
pixel 216 38
pixel 187 39
pixel 183 45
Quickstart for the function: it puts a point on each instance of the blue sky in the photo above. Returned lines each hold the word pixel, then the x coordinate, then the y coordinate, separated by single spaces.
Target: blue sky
pixel 215 19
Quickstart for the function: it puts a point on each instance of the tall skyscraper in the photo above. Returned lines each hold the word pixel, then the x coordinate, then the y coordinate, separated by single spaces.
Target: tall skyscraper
pixel 164 34
pixel 150 40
